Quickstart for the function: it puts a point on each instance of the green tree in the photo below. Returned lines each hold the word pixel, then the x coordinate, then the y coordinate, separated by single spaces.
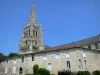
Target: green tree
pixel 13 54
pixel 35 68
pixel 2 57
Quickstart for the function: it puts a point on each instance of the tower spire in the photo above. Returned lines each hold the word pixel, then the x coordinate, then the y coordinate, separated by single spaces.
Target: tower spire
pixel 32 18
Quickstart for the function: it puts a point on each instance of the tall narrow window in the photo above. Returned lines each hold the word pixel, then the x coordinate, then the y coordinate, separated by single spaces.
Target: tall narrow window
pixel 22 58
pixel 35 42
pixel 80 64
pixel 89 47
pixel 68 65
pixel 26 42
pixel 57 55
pixel 14 69
pixel 33 32
pixel 29 32
pixel 5 69
pixel 96 46
pixel 49 66
pixel 84 54
pixel 36 33
pixel 67 53
pixel 7 60
pixel 44 57
pixel 32 57
pixel 85 63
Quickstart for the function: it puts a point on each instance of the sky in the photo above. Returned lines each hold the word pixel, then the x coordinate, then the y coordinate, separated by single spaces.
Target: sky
pixel 63 21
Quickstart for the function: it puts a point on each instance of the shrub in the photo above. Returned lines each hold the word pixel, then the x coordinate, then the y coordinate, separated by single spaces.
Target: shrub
pixel 64 72
pixel 43 71
pixel 97 72
pixel 52 74
pixel 79 73
pixel 35 68
pixel 86 73
pixel 83 73
pixel 28 74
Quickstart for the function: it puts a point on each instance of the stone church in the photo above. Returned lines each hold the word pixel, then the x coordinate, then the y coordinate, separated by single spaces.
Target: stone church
pixel 75 56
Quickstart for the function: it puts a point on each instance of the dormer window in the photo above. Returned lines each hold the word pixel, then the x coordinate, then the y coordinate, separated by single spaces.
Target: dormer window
pixel 67 53
pixel 96 46
pixel 89 47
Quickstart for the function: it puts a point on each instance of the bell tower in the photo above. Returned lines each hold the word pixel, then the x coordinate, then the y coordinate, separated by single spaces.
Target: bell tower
pixel 31 40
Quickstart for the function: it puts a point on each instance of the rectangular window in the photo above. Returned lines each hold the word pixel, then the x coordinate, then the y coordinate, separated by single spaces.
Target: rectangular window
pixel 5 69
pixel 14 69
pixel 33 32
pixel 44 57
pixel 29 32
pixel 84 54
pixel 57 55
pixel 32 57
pixel 89 47
pixel 36 33
pixel 68 65
pixel 67 53
pixel 80 64
pixel 85 63
pixel 96 46
pixel 49 66
pixel 22 58
pixel 14 61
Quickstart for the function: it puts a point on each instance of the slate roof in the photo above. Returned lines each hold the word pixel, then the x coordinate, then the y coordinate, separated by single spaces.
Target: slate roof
pixel 83 42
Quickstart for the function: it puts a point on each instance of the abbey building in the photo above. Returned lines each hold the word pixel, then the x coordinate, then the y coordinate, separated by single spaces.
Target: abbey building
pixel 75 56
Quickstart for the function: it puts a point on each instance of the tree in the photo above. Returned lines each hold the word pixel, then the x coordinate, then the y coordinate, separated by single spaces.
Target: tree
pixel 13 54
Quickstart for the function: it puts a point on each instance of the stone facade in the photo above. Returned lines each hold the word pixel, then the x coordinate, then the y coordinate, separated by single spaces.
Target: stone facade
pixel 80 55
pixel 54 61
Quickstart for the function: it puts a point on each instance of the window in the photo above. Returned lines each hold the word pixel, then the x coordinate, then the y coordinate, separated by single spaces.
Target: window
pixel 25 34
pixel 96 46
pixel 57 55
pixel 84 54
pixel 89 47
pixel 33 32
pixel 7 60
pixel 29 32
pixel 5 69
pixel 80 64
pixel 22 58
pixel 35 42
pixel 14 61
pixel 67 53
pixel 85 62
pixel 49 66
pixel 32 57
pixel 44 57
pixel 26 42
pixel 14 69
pixel 36 33
pixel 68 65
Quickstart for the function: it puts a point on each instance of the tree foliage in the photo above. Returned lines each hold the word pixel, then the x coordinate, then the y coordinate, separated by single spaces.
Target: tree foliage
pixel 2 57
pixel 13 54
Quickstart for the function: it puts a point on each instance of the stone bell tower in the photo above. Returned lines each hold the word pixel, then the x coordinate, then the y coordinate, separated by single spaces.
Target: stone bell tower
pixel 31 40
